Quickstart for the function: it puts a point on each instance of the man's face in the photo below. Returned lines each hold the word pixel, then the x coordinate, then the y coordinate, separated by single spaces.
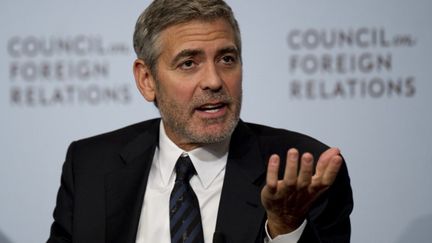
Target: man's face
pixel 198 82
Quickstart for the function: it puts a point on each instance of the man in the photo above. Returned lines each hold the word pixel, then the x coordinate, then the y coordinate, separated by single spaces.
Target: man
pixel 119 187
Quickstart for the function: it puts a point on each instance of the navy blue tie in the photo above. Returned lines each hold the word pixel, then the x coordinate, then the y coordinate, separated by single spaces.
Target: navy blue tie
pixel 185 217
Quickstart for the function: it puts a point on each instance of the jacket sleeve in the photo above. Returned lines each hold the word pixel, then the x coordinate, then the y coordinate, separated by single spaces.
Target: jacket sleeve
pixel 329 219
pixel 61 229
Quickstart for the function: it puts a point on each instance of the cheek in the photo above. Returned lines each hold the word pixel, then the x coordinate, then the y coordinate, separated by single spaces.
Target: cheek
pixel 180 96
pixel 234 84
pixel 175 89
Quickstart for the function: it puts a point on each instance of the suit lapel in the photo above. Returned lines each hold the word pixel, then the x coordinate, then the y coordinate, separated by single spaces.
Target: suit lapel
pixel 125 188
pixel 241 215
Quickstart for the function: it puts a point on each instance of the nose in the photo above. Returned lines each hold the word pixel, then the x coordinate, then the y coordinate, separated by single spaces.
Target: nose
pixel 211 79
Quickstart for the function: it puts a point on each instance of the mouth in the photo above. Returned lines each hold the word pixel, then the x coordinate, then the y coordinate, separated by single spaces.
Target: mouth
pixel 211 108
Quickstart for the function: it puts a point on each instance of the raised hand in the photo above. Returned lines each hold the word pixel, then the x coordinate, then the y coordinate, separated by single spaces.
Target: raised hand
pixel 287 201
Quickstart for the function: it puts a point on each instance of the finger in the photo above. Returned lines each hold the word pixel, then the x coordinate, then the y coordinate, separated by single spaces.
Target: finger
pixel 272 173
pixel 324 160
pixel 291 167
pixel 306 169
pixel 332 170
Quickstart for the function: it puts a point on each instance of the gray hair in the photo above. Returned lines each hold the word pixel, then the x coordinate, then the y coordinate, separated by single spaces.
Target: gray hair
pixel 161 14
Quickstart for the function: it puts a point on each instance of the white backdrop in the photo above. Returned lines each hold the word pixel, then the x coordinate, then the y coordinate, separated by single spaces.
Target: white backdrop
pixel 354 74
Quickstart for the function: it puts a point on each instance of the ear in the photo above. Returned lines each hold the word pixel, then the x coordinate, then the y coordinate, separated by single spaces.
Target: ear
pixel 144 80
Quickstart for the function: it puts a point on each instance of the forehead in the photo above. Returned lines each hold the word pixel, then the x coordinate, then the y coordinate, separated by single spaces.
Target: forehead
pixel 197 34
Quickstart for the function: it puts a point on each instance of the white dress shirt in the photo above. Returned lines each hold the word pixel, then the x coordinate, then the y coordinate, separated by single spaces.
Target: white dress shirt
pixel 209 162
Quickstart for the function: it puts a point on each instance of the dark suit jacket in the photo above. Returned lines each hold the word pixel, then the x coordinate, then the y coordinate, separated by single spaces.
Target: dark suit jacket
pixel 104 180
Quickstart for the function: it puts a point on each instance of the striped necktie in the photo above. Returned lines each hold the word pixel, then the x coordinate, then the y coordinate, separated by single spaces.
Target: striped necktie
pixel 185 217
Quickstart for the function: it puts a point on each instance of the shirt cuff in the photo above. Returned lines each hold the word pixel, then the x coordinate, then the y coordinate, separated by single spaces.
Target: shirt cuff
pixel 292 237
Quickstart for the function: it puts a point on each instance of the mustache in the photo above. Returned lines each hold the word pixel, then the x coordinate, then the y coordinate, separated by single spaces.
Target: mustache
pixel 207 96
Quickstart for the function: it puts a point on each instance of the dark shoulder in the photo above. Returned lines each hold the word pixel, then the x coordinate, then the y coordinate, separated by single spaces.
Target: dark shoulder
pixel 103 151
pixel 279 140
pixel 120 136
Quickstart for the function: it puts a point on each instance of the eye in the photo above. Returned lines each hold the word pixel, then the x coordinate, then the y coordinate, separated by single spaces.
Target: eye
pixel 188 64
pixel 228 59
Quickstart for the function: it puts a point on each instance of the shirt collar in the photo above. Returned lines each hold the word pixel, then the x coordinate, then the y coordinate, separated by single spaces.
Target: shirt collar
pixel 208 160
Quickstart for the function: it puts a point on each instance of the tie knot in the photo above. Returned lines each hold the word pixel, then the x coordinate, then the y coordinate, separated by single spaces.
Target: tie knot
pixel 184 169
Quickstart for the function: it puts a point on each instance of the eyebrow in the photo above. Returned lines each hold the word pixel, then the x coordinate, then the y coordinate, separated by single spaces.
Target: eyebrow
pixel 197 52
pixel 186 53
pixel 230 49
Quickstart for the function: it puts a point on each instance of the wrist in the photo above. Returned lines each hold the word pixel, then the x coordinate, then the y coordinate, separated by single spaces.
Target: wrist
pixel 279 226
